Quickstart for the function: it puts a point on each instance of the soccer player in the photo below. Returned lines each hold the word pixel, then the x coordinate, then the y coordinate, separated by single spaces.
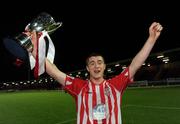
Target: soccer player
pixel 97 99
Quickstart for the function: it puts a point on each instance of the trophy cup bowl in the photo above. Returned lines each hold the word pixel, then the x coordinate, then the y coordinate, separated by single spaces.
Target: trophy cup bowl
pixel 21 44
pixel 44 21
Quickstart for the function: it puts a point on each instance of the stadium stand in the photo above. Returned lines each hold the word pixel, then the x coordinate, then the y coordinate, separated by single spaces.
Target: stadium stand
pixel 161 68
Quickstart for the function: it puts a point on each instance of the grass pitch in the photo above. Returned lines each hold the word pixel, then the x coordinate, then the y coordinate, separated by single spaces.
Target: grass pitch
pixel 139 106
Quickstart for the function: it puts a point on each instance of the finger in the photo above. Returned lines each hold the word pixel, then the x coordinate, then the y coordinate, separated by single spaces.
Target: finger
pixel 159 28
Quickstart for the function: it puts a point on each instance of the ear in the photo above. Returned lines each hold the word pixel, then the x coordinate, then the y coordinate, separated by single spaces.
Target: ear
pixel 87 68
pixel 104 66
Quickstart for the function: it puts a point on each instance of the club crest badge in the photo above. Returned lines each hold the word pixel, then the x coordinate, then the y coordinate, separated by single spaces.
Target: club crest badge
pixel 99 112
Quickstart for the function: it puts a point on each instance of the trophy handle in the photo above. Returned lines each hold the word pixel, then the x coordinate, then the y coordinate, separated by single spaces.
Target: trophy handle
pixel 54 27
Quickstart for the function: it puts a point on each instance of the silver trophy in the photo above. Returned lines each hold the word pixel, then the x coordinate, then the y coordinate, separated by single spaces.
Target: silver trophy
pixel 20 44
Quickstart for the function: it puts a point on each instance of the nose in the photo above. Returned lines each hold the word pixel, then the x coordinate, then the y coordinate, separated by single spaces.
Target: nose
pixel 97 65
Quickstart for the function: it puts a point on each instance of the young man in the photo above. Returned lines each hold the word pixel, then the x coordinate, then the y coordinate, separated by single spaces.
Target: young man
pixel 98 100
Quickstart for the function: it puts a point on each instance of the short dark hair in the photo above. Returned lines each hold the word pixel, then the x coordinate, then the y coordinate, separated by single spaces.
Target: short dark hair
pixel 93 54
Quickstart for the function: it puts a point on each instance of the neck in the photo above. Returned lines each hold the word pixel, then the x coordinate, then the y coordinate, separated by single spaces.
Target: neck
pixel 97 80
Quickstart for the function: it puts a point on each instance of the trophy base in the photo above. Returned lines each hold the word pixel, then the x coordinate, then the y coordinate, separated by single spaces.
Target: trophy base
pixel 15 48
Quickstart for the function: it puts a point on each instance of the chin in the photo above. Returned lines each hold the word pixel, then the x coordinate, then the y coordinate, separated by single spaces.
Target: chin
pixel 97 77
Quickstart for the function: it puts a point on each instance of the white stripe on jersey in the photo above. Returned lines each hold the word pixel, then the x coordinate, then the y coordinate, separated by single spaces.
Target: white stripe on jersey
pixel 84 118
pixel 79 107
pixel 118 95
pixel 98 98
pixel 90 103
pixel 107 106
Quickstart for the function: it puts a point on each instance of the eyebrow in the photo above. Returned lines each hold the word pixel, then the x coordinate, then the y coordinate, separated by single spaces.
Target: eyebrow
pixel 91 61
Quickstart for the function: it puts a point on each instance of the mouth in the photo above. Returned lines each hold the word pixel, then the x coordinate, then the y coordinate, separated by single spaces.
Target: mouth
pixel 97 71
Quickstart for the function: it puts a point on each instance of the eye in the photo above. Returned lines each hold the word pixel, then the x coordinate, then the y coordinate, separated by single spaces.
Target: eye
pixel 91 63
pixel 100 62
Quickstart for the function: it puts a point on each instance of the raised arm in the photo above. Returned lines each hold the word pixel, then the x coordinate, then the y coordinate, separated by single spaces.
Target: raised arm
pixel 154 32
pixel 51 68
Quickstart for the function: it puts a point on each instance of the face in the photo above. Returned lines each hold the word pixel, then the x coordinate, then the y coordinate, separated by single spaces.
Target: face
pixel 96 67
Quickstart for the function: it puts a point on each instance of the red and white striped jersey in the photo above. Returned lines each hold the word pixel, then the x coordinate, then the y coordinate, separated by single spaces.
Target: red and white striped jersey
pixel 98 104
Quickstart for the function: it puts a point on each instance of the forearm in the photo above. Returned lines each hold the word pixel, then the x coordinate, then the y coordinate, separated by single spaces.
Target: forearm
pixel 141 56
pixel 55 73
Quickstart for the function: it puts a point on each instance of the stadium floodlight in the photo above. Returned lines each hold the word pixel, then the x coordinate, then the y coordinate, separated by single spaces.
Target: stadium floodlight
pixel 117 65
pixel 160 56
pixel 166 59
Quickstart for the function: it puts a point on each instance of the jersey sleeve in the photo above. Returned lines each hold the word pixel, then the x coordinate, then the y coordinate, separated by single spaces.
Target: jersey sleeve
pixel 121 81
pixel 74 85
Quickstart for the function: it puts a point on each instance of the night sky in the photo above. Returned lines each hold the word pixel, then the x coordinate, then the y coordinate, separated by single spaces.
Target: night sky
pixel 115 30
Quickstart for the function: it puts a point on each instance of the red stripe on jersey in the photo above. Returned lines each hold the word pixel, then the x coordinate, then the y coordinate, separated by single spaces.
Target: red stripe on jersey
pixel 101 87
pixel 109 105
pixel 81 110
pixel 102 94
pixel 87 95
pixel 115 110
pixel 94 99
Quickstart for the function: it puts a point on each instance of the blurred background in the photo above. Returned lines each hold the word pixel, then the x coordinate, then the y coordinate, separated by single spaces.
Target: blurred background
pixel 116 30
